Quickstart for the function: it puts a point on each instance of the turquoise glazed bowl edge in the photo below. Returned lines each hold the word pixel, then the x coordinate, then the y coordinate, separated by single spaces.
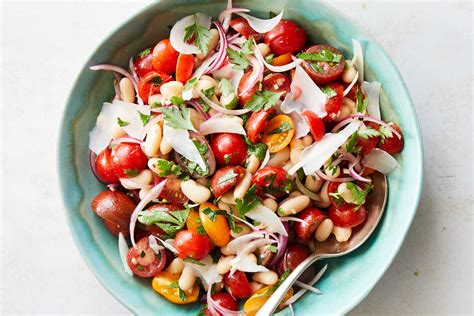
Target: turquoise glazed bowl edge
pixel 348 279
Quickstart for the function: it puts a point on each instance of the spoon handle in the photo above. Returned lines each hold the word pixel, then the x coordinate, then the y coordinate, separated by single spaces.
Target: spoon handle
pixel 274 301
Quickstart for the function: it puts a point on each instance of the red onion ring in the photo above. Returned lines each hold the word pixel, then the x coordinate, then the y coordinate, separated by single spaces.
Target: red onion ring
pixel 126 139
pixel 365 118
pixel 198 107
pixel 217 309
pixel 255 76
pixel 323 176
pixel 354 174
pixel 221 53
pixel 282 242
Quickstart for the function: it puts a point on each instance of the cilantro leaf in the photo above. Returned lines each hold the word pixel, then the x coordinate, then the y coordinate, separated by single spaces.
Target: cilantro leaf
pixel 226 87
pixel 323 55
pixel 169 222
pixel 166 168
pixel 367 133
pixel 181 293
pixel 238 59
pixel 359 195
pixel 249 202
pixel 351 145
pixel 284 127
pixel 202 36
pixel 263 100
pixel 361 102
pixel 194 261
pixel 385 132
pixel 144 117
pixel 329 91
pixel 177 100
pixel 247 47
pixel 178 118
pixel 212 214
pixel 258 149
pixel 122 123
pixel 144 52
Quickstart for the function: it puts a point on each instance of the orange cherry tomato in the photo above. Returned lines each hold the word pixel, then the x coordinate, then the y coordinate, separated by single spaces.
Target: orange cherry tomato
pixel 278 133
pixel 166 284
pixel 282 60
pixel 165 57
pixel 217 229
pixel 193 221
pixel 256 301
pixel 184 67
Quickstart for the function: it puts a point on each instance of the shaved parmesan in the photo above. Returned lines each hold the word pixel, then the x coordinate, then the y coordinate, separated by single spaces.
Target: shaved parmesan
pixel 238 243
pixel 246 263
pixel 301 126
pixel 221 125
pixel 228 71
pixel 181 142
pixel 373 94
pixel 101 134
pixel 282 68
pixel 207 273
pixel 349 87
pixel 123 250
pixel 380 160
pixel 178 31
pixel 358 59
pixel 130 113
pixel 266 216
pixel 262 25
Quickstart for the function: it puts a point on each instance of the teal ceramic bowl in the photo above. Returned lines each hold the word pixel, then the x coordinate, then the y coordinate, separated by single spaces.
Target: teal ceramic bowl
pixel 348 279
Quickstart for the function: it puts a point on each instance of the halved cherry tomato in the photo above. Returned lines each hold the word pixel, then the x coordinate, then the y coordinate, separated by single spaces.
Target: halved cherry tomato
pixel 277 83
pixel 229 149
pixel 172 192
pixel 225 179
pixel 241 26
pixel 250 92
pixel 347 217
pixel 104 167
pixel 334 104
pixel 165 283
pixel 237 284
pixel 286 37
pixel 316 124
pixel 271 180
pixel 341 205
pixel 311 217
pixel 143 64
pixel 143 260
pixel 282 60
pixel 367 144
pixel 128 159
pixel 193 221
pixel 256 301
pixel 154 229
pixel 184 67
pixel 393 144
pixel 224 300
pixel 353 92
pixel 293 256
pixel 191 244
pixel 217 229
pixel 256 124
pixel 278 133
pixel 323 72
pixel 115 208
pixel 151 83
pixel 165 57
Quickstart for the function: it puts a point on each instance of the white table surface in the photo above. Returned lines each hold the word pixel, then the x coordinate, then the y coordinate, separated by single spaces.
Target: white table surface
pixel 44 46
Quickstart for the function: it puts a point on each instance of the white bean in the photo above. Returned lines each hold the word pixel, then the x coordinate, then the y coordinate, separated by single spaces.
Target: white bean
pixel 351 104
pixel 187 279
pixel 127 92
pixel 228 197
pixel 294 194
pixel 117 131
pixel 323 194
pixel 195 192
pixel 342 234
pixel 331 171
pixel 324 230
pixel 223 206
pixel 255 286
pixel 176 266
pixel 226 251
pixel 196 118
pixel 155 99
pixel 267 278
pixel 264 49
pixel 153 140
pixel 279 158
pixel 165 147
pixel 344 113
pixel 297 147
pixel 244 230
pixel 223 265
pixel 212 44
pixel 271 204
pixel 313 183
pixel 144 177
pixel 153 165
pixel 293 205
pixel 346 194
pixel 251 257
pixel 349 74
pixel 205 84
pixel 171 89
pixel 252 164
pixel 243 186
pixel 308 140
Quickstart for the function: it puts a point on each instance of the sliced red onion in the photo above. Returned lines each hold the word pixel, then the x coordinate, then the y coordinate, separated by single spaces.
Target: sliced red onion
pixel 354 174
pixel 291 219
pixel 270 67
pixel 118 69
pixel 221 125
pixel 178 30
pixel 125 139
pixel 349 87
pixel 233 37
pixel 324 176
pixel 306 191
pixel 282 242
pixel 227 12
pixel 113 186
pixel 117 87
pixel 234 245
pixel 366 118
pixel 262 25
pixel 92 158
pixel 221 53
pixel 220 108
pixel 123 250
pixel 204 66
pixel 198 107
pixel 380 160
pixel 154 244
pixel 129 184
pixel 254 228
pixel 266 216
pixel 265 160
pixel 131 67
pixel 255 76
pixel 313 281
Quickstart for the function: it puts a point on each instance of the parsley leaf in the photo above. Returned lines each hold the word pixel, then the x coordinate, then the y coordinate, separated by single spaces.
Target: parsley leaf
pixel 144 52
pixel 156 81
pixel 194 261
pixel 181 293
pixel 238 59
pixel 271 14
pixel 359 195
pixel 284 127
pixel 329 91
pixel 367 133
pixel 385 132
pixel 269 58
pixel 212 214
pixel 169 222
pixel 122 123
pixel 351 145
pixel 323 55
pixel 247 47
pixel 166 168
pixel 272 248
pixel 249 202
pixel 190 85
pixel 144 117
pixel 258 149
pixel 177 100
pixel 226 87
pixel 361 102
pixel 202 36
pixel 263 100
pixel 155 105
pixel 178 118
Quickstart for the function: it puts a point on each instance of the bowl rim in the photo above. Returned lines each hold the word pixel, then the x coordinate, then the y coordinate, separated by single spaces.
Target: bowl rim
pixel 62 143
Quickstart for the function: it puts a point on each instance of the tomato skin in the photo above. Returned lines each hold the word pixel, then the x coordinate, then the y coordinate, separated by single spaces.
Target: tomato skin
pixel 115 208
pixel 293 256
pixel 238 284
pixel 334 104
pixel 172 192
pixel 217 229
pixel 184 67
pixel 241 26
pixel 347 217
pixel 128 159
pixel 143 65
pixel 143 261
pixel 146 87
pixel 270 180
pixel 193 221
pixel 219 186
pixel 104 167
pixel 392 145
pixel 161 284
pixel 256 301
pixel 286 37
pixel 256 124
pixel 277 82
pixel 229 149
pixel 191 244
pixel 316 125
pixel 312 218
pixel 250 92
pixel 165 57
pixel 225 300
pixel 329 72
pixel 277 142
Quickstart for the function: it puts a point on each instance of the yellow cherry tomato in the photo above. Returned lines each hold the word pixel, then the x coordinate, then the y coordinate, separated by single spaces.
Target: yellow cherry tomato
pixel 166 284
pixel 193 221
pixel 256 301
pixel 278 133
pixel 217 229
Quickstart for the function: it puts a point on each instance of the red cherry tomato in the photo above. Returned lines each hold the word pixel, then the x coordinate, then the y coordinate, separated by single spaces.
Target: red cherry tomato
pixel 277 82
pixel 316 125
pixel 128 159
pixel 172 192
pixel 323 72
pixel 271 180
pixel 143 64
pixel 393 144
pixel 191 244
pixel 353 92
pixel 104 167
pixel 237 284
pixel 225 179
pixel 250 92
pixel 165 57
pixel 312 218
pixel 286 37
pixel 370 143
pixel 184 67
pixel 150 84
pixel 225 300
pixel 334 104
pixel 143 261
pixel 153 229
pixel 256 124
pixel 293 256
pixel 229 149
pixel 241 26
pixel 347 217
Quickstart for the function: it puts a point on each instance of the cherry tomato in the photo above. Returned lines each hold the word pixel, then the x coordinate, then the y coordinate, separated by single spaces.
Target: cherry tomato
pixel 277 82
pixel 256 301
pixel 164 282
pixel 241 26
pixel 250 92
pixel 312 217
pixel 191 244
pixel 271 180
pixel 165 57
pixel 278 133
pixel 143 261
pixel 184 67
pixel 237 284
pixel 143 64
pixel 172 192
pixel 323 72
pixel 341 205
pixel 316 125
pixel 229 149
pixel 334 104
pixel 104 167
pixel 293 256
pixel 154 229
pixel 282 60
pixel 393 144
pixel 150 84
pixel 353 92
pixel 347 217
pixel 370 143
pixel 128 159
pixel 193 221
pixel 256 124
pixel 225 179
pixel 286 37
pixel 217 229
pixel 115 208
pixel 225 300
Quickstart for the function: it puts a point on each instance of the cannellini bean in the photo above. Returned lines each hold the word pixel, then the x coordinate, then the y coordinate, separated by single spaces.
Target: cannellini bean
pixel 324 230
pixel 155 99
pixel 196 118
pixel 294 194
pixel 153 140
pixel 205 84
pixel 176 266
pixel 252 164
pixel 313 183
pixel 224 266
pixel 342 233
pixel 349 74
pixel 267 278
pixel 344 113
pixel 117 131
pixel 297 147
pixel 228 197
pixel 308 140
pixel 296 143
pixel 346 194
pixel 212 44
pixel 323 194
pixel 251 257
pixel 223 206
pixel 332 172
pixel 264 49
pixel 195 192
pixel 144 177
pixel 351 104
pixel 243 186
pixel 244 230
pixel 127 92
pixel 279 158
pixel 165 147
pixel 226 251
pixel 271 204
pixel 171 89
pixel 203 181
pixel 293 205
pixel 187 278
pixel 255 286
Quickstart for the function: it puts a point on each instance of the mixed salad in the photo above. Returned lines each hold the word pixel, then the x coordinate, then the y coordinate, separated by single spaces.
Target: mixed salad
pixel 230 151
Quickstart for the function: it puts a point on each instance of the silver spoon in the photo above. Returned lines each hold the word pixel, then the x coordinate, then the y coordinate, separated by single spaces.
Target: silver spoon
pixel 330 248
